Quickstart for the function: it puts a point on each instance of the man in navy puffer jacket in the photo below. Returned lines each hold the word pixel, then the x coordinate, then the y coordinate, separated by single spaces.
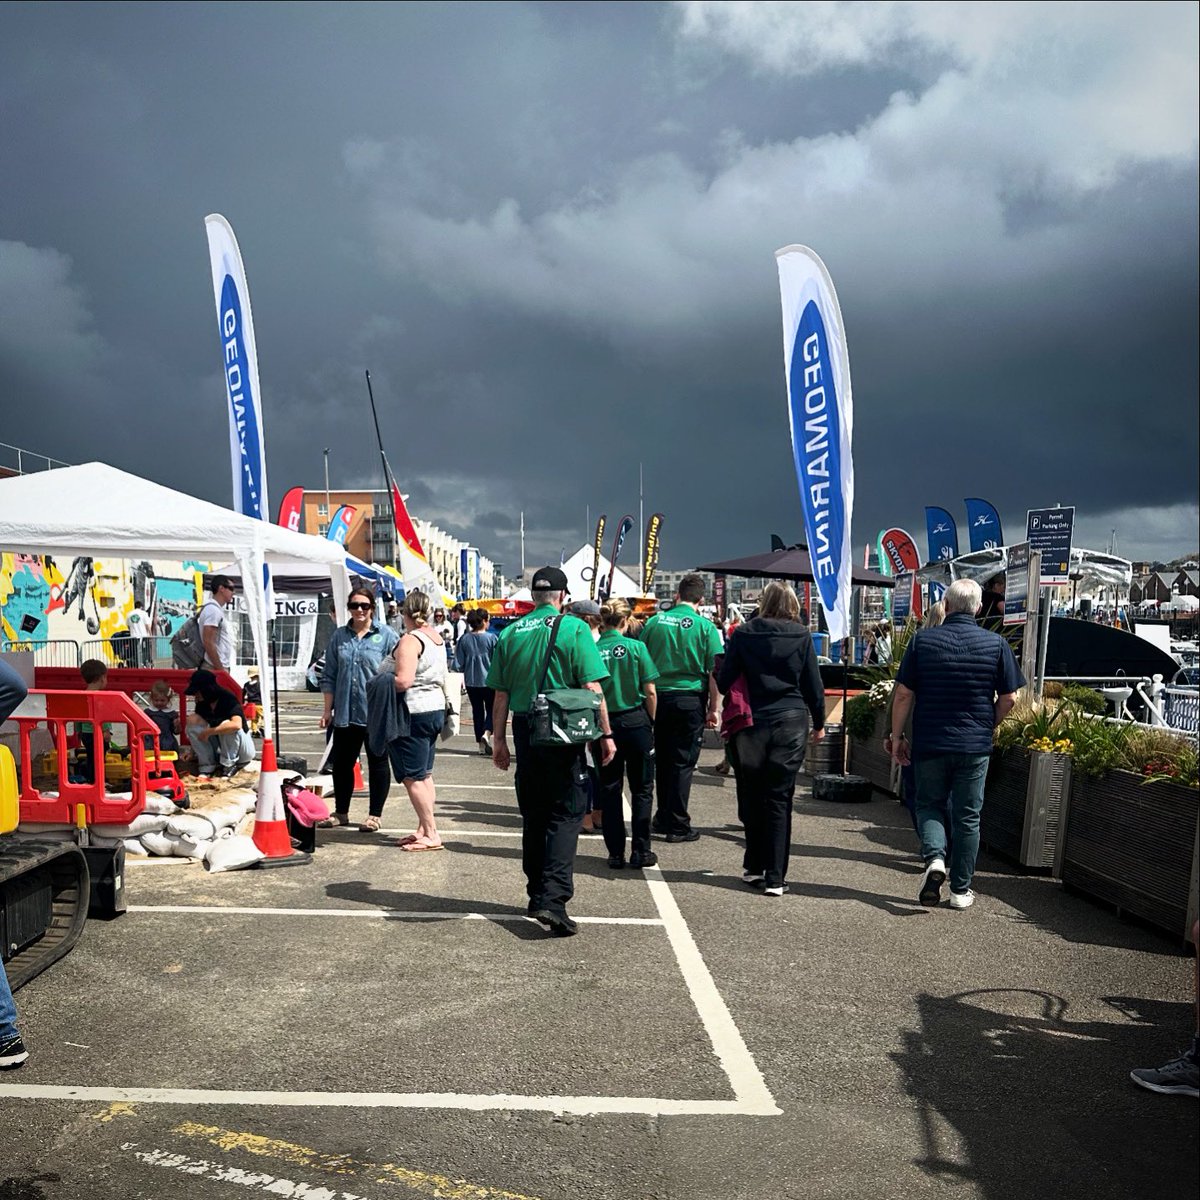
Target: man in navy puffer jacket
pixel 963 681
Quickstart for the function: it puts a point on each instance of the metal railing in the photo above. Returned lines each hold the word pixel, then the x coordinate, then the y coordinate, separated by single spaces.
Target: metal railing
pixel 146 652
pixel 48 653
pixel 25 461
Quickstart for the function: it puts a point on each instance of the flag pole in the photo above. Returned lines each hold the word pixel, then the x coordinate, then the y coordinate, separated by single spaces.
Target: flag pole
pixel 387 471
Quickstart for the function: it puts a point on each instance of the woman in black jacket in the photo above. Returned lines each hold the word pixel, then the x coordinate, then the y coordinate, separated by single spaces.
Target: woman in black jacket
pixel 775 655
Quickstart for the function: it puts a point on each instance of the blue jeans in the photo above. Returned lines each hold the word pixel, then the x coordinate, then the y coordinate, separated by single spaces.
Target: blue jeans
pixel 951 782
pixel 8 1010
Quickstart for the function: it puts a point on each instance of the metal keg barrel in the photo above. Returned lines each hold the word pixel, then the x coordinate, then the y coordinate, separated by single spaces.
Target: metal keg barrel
pixel 828 756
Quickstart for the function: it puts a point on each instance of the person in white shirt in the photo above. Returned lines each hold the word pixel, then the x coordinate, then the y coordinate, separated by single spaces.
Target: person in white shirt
pixel 215 630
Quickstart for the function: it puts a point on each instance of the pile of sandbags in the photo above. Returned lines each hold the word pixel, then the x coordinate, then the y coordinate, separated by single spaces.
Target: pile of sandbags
pixel 215 833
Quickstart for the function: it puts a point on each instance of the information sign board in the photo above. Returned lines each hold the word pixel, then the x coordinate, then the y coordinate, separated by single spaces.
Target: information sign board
pixel 1048 531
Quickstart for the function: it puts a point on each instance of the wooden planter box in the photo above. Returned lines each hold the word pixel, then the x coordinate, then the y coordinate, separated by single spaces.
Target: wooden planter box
pixel 1024 805
pixel 1134 845
pixel 870 760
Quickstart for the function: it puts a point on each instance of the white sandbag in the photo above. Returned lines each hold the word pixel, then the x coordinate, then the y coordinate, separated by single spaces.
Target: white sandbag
pixel 231 854
pixel 248 802
pixel 222 816
pixel 186 848
pixel 145 823
pixel 104 843
pixel 191 825
pixel 162 806
pixel 135 849
pixel 162 844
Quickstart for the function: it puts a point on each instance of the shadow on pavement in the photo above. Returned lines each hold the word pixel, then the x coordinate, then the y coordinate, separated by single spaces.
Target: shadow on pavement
pixel 1022 1101
pixel 401 903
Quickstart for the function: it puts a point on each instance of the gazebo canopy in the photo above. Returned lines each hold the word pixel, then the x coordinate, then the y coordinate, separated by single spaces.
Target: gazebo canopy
pixel 790 564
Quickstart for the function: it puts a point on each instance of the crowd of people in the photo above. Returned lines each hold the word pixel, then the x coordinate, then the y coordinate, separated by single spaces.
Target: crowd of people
pixel 652 691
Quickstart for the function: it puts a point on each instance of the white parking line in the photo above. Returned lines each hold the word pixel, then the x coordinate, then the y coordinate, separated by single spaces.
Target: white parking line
pixel 390 914
pixel 468 1102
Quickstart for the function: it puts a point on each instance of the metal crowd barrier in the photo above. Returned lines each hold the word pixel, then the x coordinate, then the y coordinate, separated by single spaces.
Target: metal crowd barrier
pixel 49 653
pixel 153 652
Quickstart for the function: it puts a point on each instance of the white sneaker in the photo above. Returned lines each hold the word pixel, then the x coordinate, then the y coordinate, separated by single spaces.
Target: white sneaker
pixel 752 879
pixel 930 894
pixel 962 899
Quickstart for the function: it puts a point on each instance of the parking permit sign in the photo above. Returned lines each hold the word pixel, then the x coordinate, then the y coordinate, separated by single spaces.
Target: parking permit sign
pixel 1016 585
pixel 1048 531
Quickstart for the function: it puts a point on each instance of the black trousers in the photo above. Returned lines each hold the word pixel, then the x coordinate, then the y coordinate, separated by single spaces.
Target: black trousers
pixel 551 784
pixel 634 759
pixel 765 760
pixel 678 730
pixel 348 743
pixel 481 709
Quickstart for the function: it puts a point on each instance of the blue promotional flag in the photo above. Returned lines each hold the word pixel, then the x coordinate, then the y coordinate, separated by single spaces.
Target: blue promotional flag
pixel 941 533
pixel 239 364
pixel 339 527
pixel 983 522
pixel 821 414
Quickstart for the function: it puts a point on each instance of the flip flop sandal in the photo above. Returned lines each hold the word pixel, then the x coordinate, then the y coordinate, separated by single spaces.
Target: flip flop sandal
pixel 333 822
pixel 370 825
pixel 418 847
pixel 412 837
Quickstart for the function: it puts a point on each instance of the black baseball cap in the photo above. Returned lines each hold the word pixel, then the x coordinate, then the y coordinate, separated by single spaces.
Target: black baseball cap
pixel 201 682
pixel 549 579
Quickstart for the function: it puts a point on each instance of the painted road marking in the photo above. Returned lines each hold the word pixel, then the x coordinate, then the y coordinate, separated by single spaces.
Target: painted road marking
pixel 260 1181
pixel 421 1182
pixel 393 914
pixel 467 1102
pixel 752 1097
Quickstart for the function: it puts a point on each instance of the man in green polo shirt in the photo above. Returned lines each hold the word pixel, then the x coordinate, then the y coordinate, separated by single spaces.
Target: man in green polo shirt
pixel 551 781
pixel 684 646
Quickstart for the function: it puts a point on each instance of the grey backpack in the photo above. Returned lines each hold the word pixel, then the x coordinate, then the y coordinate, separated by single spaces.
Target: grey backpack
pixel 187 646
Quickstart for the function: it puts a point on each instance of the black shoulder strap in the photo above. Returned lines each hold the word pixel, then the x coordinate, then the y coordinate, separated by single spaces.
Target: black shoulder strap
pixel 541 687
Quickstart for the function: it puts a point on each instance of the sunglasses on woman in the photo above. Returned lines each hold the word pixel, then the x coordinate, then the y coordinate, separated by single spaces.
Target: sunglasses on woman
pixel 360 607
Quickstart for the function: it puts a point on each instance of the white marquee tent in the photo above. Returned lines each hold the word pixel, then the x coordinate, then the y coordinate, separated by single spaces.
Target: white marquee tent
pixel 578 570
pixel 94 510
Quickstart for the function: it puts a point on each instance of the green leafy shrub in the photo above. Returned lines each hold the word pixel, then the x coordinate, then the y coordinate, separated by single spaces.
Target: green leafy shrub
pixel 1084 698
pixel 859 718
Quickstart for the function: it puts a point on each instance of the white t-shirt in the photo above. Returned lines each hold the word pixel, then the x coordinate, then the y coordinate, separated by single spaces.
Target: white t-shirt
pixel 213 614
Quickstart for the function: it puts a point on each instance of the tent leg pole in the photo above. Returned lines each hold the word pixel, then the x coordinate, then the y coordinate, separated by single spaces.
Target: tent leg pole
pixel 275 686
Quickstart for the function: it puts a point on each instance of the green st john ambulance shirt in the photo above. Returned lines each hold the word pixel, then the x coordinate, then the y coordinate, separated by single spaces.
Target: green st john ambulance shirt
pixel 630 667
pixel 519 654
pixel 683 645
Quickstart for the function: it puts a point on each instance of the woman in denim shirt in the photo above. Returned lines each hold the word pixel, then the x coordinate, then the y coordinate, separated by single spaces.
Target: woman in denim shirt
pixel 353 656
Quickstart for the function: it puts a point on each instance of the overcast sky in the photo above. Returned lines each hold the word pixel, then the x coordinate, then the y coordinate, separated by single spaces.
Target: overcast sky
pixel 549 232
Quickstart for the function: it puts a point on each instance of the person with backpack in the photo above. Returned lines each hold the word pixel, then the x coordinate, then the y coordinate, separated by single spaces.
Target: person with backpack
pixel 205 639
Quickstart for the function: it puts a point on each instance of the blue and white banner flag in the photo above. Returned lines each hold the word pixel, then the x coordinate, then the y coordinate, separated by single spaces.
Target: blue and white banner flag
pixel 239 363
pixel 984 523
pixel 941 532
pixel 339 527
pixel 821 412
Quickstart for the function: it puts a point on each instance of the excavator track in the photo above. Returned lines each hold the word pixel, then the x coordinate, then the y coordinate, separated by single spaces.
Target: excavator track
pixel 44 889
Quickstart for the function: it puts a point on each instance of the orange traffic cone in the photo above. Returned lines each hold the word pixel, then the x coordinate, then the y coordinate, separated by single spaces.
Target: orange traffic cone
pixel 270 824
pixel 359 786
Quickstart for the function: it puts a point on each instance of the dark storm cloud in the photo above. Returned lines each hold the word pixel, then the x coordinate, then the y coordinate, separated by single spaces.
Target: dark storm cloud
pixel 548 232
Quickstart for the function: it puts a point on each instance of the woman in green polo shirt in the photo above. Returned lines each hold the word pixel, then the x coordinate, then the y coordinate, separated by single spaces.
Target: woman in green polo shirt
pixel 630 695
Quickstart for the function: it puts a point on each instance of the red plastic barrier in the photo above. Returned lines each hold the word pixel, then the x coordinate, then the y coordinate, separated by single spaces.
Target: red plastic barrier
pixel 87 803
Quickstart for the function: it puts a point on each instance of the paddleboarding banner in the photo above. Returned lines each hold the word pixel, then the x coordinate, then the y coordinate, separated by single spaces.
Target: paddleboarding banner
pixel 239 362
pixel 339 527
pixel 598 548
pixel 900 553
pixel 623 529
pixel 983 524
pixel 941 534
pixel 291 510
pixel 650 553
pixel 821 415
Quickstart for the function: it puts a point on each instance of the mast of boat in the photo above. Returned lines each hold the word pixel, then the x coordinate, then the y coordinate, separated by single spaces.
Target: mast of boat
pixel 388 482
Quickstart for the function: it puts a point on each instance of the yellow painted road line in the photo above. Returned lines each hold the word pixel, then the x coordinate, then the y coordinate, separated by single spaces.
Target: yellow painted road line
pixel 423 1183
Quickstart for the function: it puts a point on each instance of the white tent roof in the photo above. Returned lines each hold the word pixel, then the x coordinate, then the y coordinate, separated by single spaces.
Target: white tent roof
pixel 95 510
pixel 578 570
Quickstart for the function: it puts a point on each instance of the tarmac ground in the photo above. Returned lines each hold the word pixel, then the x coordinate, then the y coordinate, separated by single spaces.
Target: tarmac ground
pixel 385 1024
